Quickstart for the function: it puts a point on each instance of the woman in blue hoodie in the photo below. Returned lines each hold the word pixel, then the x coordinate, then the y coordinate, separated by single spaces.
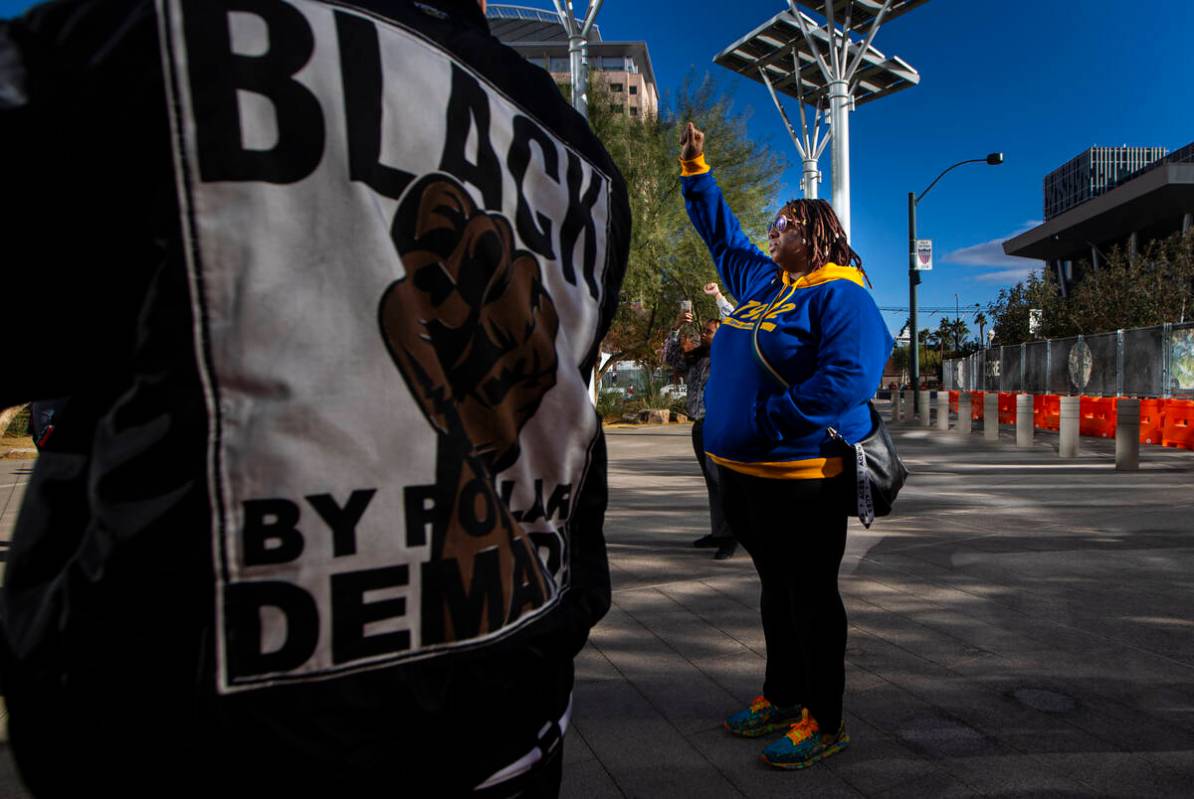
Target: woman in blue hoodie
pixel 802 352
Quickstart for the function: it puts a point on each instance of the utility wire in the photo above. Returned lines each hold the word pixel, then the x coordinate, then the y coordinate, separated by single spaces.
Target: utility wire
pixel 931 309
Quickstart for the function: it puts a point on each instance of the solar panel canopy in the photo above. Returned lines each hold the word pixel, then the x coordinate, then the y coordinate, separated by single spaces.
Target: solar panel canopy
pixel 859 12
pixel 779 44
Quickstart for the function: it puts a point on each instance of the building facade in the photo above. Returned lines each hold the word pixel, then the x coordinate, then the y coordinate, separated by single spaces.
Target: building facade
pixel 1096 202
pixel 622 68
pixel 1093 172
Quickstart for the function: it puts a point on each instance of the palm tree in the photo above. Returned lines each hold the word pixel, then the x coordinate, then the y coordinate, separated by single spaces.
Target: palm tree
pixel 981 321
pixel 944 331
pixel 960 330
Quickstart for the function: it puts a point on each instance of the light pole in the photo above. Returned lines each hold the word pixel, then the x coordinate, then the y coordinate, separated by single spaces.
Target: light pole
pixel 957 319
pixel 914 274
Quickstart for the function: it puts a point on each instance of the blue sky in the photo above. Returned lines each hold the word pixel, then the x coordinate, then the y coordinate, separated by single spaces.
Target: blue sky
pixel 1040 80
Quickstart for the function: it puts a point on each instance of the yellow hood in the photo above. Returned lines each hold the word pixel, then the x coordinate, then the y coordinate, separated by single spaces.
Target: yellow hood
pixel 825 274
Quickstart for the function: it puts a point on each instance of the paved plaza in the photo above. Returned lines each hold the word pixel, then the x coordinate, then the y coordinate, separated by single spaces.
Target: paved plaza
pixel 1024 626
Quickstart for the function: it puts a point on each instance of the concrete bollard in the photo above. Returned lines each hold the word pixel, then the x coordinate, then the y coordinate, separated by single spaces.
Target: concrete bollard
pixel 906 409
pixel 1127 435
pixel 1067 442
pixel 991 416
pixel 926 407
pixel 1024 427
pixel 965 424
pixel 943 410
pixel 897 406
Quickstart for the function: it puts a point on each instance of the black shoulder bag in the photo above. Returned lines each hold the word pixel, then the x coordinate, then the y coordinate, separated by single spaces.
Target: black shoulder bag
pixel 879 474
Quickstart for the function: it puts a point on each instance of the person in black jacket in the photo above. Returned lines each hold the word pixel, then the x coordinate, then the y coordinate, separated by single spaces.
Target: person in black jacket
pixel 329 282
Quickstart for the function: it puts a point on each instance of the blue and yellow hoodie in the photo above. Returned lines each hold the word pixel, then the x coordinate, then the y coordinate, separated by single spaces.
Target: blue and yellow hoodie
pixel 822 334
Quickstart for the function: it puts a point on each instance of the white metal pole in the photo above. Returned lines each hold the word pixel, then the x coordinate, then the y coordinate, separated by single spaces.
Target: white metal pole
pixel 812 176
pixel 579 65
pixel 578 51
pixel 839 148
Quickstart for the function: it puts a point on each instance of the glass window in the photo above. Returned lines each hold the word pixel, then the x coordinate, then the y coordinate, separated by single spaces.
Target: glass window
pixel 634 110
pixel 615 87
pixel 633 89
pixel 617 107
pixel 613 62
pixel 559 65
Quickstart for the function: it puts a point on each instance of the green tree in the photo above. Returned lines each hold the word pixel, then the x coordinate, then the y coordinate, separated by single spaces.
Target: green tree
pixel 1155 287
pixel 929 358
pixel 980 319
pixel 943 335
pixel 1010 311
pixel 668 261
pixel 959 331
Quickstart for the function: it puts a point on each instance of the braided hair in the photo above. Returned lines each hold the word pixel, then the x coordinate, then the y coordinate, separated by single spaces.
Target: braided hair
pixel 827 242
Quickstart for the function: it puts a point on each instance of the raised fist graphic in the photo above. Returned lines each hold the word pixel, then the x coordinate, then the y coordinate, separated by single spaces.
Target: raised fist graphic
pixel 473 332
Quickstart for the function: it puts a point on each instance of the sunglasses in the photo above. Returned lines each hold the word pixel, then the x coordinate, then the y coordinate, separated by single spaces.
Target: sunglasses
pixel 780 224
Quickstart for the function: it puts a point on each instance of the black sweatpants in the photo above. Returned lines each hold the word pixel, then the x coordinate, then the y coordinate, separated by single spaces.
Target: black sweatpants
pixel 795 532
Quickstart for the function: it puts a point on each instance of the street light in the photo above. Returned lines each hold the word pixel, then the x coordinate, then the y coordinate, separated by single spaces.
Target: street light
pixel 914 274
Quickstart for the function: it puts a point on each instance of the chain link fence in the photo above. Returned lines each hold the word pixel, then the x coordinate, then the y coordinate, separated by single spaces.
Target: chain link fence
pixel 1145 362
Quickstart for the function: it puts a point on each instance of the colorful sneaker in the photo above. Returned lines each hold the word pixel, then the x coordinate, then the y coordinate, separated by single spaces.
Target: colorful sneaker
pixel 760 718
pixel 804 745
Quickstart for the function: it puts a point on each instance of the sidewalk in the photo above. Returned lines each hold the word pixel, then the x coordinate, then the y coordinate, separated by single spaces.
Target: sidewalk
pixel 14 476
pixel 1023 627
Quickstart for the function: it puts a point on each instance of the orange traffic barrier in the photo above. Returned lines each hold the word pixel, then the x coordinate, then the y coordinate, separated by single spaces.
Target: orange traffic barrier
pixel 1152 419
pixel 1046 411
pixel 1178 427
pixel 953 402
pixel 1107 416
pixel 1096 417
pixel 1007 408
pixel 976 405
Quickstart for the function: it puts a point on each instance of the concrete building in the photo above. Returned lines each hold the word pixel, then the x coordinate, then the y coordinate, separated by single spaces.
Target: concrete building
pixel 1098 201
pixel 1093 172
pixel 624 68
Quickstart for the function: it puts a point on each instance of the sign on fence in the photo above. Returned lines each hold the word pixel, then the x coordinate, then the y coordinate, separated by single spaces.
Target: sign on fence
pixel 1181 360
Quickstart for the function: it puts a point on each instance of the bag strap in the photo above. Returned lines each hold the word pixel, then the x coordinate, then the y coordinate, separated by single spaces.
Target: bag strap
pixel 866 503
pixel 755 339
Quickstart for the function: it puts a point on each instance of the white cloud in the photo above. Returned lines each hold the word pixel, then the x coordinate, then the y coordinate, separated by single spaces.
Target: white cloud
pixel 990 255
pixel 1009 275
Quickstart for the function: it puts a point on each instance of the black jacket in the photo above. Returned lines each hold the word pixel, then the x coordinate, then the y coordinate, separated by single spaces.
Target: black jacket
pixel 328 282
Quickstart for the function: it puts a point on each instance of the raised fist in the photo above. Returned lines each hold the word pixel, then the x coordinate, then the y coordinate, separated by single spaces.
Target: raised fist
pixel 471 327
pixel 692 142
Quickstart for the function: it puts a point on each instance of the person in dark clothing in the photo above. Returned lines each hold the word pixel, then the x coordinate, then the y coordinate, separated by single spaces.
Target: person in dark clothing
pixel 43 419
pixel 327 517
pixel 694 365
pixel 802 352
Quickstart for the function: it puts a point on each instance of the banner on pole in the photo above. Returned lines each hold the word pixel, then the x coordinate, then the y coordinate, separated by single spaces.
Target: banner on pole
pixel 924 255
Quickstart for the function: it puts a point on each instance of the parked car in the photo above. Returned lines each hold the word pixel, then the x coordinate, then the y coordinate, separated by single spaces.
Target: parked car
pixel 674 391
